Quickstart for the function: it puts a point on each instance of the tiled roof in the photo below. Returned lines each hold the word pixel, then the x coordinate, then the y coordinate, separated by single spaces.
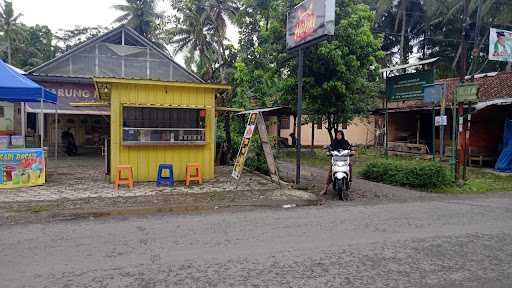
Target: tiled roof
pixel 492 86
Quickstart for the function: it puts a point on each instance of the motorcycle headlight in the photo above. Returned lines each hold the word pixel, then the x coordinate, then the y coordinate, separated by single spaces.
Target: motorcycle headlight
pixel 340 164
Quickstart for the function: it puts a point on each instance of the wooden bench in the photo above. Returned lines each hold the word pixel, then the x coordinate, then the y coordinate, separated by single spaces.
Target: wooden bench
pixel 480 157
pixel 408 149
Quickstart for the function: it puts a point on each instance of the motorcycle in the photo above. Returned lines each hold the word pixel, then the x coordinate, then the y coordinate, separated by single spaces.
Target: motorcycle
pixel 340 161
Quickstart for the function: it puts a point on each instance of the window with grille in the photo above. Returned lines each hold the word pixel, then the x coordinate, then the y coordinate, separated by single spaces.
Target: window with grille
pixel 148 125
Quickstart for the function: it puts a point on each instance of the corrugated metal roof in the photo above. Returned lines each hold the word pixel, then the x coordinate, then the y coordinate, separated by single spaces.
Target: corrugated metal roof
pixel 405 66
pixel 262 110
pixel 493 86
pixel 104 36
pixel 159 82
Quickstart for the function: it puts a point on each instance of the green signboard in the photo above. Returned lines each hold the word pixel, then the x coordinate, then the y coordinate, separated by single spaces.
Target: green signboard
pixel 466 93
pixel 408 86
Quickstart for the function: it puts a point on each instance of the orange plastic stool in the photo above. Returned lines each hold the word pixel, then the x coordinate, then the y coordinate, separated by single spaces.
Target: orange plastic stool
pixel 127 181
pixel 193 168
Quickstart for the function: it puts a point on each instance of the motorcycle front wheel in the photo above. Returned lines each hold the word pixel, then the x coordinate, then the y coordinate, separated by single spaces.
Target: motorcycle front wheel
pixel 341 189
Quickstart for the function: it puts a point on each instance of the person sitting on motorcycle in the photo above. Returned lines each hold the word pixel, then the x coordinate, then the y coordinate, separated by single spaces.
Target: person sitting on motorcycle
pixel 338 143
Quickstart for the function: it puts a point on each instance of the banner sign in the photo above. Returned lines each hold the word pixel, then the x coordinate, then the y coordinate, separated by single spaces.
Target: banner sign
pixel 466 93
pixel 308 21
pixel 433 93
pixel 408 86
pixel 244 146
pixel 441 120
pixel 500 45
pixel 22 168
pixel 70 93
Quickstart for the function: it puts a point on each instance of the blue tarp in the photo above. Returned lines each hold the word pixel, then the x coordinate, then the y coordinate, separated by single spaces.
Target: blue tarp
pixel 15 87
pixel 504 163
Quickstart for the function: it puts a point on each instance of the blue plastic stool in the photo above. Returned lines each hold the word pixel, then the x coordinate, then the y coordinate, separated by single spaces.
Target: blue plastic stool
pixel 161 179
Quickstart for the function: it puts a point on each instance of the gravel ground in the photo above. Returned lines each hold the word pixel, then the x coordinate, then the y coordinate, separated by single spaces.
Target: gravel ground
pixel 83 177
pixel 449 243
pixel 362 190
pixel 77 188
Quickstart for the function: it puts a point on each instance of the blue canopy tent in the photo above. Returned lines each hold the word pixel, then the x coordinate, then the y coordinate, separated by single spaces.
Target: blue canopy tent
pixel 504 163
pixel 15 87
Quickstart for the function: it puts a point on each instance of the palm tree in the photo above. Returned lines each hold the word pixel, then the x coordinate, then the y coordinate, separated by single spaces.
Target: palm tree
pixel 219 11
pixel 193 33
pixel 409 15
pixel 8 26
pixel 142 16
pixel 448 16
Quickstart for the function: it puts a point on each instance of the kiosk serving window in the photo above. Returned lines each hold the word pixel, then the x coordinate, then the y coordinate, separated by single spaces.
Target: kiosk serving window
pixel 145 125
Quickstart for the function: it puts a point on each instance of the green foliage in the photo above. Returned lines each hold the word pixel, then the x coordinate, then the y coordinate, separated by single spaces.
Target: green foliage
pixel 435 27
pixel 341 75
pixel 198 28
pixel 142 16
pixel 33 46
pixel 67 39
pixel 8 27
pixel 256 158
pixel 409 173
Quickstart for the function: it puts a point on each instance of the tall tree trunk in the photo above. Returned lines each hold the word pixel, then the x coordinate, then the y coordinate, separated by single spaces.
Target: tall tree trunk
pixel 330 127
pixel 227 132
pixel 457 56
pixel 267 20
pixel 312 136
pixel 426 35
pixel 403 53
pixel 223 59
pixel 9 51
pixel 294 125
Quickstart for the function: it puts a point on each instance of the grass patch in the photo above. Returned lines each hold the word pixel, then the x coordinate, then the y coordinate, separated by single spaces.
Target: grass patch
pixel 319 159
pixel 480 181
pixel 316 158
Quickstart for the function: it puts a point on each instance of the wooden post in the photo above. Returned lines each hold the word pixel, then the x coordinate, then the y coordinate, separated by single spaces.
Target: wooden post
pixel 441 128
pixel 312 136
pixel 461 141
pixel 267 149
pixel 418 127
pixel 433 132
pixel 454 137
pixel 386 132
pixel 467 132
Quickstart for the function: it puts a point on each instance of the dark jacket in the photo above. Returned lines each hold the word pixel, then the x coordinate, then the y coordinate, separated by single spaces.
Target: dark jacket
pixel 340 145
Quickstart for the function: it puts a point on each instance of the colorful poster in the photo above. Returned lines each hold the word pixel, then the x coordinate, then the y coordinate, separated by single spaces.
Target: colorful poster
pixel 244 146
pixel 500 45
pixel 22 168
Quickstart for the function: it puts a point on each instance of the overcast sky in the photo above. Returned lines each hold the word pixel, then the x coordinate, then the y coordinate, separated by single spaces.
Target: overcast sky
pixel 66 14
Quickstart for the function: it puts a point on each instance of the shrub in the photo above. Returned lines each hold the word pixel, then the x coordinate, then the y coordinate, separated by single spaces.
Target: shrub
pixel 256 157
pixel 410 173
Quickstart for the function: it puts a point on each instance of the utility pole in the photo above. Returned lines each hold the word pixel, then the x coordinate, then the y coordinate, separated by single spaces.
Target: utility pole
pixel 402 34
pixel 476 46
pixel 463 68
pixel 474 64
pixel 298 122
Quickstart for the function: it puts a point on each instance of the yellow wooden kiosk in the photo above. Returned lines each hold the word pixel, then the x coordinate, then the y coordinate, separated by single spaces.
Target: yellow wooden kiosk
pixel 160 122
